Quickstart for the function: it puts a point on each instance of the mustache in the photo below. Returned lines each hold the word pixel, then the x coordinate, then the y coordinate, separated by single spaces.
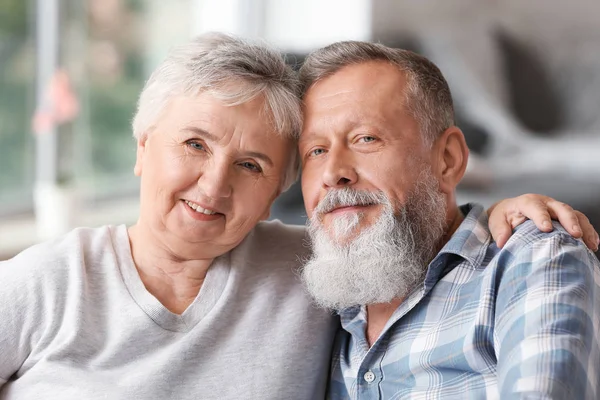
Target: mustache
pixel 348 197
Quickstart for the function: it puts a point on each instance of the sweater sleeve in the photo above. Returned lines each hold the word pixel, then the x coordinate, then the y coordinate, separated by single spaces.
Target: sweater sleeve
pixel 21 308
pixel 11 355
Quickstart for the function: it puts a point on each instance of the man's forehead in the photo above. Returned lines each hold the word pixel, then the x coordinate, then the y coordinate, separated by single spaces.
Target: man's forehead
pixel 376 81
pixel 366 73
pixel 327 93
pixel 323 120
pixel 326 89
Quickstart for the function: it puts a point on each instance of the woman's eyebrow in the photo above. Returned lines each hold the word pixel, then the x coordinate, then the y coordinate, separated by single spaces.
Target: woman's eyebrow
pixel 261 156
pixel 200 132
pixel 212 138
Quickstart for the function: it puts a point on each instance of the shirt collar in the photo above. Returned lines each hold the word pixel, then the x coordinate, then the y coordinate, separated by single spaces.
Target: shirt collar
pixel 469 242
pixel 471 238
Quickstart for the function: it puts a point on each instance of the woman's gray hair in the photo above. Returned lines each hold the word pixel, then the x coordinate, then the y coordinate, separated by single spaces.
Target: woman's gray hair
pixel 234 71
pixel 427 93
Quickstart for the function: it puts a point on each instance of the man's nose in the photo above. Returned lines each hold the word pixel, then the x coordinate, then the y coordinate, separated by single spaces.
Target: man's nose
pixel 340 170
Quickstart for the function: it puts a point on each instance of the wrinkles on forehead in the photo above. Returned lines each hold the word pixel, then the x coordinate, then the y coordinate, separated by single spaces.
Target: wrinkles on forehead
pixel 375 88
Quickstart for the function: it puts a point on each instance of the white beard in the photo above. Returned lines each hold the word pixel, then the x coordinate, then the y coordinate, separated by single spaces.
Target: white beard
pixel 386 260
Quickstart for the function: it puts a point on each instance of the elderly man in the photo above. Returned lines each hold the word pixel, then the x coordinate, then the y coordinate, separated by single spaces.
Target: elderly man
pixel 430 306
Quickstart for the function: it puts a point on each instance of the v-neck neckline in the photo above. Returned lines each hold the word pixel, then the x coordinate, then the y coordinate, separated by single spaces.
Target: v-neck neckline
pixel 209 294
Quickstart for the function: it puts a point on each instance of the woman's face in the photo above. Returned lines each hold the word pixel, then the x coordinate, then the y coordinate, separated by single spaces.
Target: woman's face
pixel 209 172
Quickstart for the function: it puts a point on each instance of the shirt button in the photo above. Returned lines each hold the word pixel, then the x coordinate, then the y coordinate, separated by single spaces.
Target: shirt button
pixel 369 376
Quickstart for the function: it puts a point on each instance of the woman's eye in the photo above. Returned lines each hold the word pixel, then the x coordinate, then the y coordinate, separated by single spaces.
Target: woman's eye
pixel 251 166
pixel 196 145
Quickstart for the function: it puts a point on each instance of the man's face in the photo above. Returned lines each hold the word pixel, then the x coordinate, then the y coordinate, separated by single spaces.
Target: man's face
pixel 375 207
pixel 357 133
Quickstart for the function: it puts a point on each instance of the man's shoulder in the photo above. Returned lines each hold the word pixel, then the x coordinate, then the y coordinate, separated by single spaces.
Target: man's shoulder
pixel 528 235
pixel 552 251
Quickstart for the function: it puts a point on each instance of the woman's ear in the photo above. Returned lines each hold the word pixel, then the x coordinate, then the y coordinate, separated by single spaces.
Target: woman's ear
pixel 451 155
pixel 140 153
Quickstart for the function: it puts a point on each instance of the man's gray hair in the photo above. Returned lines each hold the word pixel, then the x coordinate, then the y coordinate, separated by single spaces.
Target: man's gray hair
pixel 427 93
pixel 234 71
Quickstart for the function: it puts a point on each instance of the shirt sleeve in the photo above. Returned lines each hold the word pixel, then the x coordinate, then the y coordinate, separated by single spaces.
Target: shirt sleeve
pixel 546 322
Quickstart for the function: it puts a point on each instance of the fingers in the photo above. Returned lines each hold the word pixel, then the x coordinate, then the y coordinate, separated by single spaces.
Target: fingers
pixel 503 216
pixel 589 234
pixel 534 207
pixel 575 222
pixel 568 217
pixel 501 232
pixel 509 213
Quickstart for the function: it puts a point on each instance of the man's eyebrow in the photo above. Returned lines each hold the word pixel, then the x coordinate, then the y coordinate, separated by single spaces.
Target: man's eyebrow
pixel 200 132
pixel 306 136
pixel 209 136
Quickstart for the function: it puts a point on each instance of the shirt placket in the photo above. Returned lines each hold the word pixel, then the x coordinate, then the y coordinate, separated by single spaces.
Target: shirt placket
pixel 370 372
pixel 370 375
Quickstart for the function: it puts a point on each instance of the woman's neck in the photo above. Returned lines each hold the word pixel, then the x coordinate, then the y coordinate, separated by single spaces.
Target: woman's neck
pixel 173 280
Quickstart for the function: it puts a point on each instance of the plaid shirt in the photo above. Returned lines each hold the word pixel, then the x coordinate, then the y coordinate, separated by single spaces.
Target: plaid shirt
pixel 487 323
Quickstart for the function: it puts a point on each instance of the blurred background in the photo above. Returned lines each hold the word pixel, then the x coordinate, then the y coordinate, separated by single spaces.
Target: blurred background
pixel 525 76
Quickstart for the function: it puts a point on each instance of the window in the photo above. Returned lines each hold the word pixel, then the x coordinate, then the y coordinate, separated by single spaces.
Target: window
pixel 70 75
pixel 17 102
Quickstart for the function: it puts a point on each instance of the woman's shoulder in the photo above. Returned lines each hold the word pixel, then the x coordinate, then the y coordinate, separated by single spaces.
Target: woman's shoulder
pixel 39 285
pixel 56 255
pixel 275 241
pixel 280 234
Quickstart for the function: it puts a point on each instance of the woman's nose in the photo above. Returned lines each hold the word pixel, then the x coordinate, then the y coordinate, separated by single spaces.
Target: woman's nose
pixel 215 181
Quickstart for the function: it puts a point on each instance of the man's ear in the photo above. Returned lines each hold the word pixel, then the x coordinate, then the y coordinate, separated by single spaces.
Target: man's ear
pixel 140 153
pixel 451 155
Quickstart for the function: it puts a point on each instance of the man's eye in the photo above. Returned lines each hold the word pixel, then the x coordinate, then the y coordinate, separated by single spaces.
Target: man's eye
pixel 251 166
pixel 368 139
pixel 316 152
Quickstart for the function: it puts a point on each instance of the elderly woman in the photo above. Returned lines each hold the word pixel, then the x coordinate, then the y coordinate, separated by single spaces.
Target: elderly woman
pixel 198 299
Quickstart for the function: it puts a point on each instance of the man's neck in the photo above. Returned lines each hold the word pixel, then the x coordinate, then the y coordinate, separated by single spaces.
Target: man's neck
pixel 377 317
pixel 455 218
